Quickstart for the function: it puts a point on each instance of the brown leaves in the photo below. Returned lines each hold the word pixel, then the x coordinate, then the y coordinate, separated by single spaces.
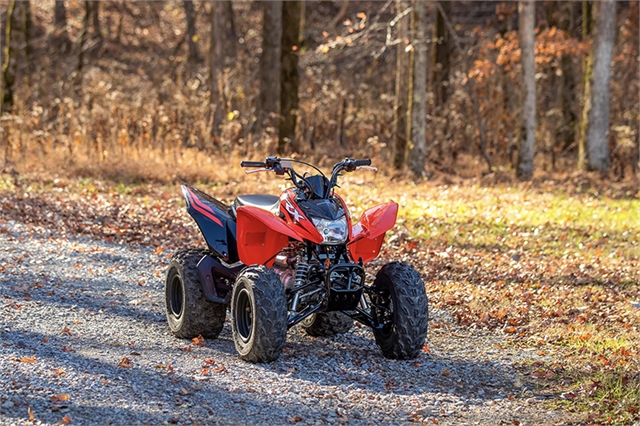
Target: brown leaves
pixel 66 331
pixel 27 359
pixel 198 341
pixel 59 399
pixel 125 363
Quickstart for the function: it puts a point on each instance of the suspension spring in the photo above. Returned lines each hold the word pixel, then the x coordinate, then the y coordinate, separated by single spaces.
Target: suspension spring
pixel 302 272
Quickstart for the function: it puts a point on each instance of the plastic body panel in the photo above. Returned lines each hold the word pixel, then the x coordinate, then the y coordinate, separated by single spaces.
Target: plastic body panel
pixel 368 234
pixel 296 219
pixel 212 217
pixel 261 235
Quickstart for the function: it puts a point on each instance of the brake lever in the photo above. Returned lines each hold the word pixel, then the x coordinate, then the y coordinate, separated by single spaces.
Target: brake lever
pixel 375 169
pixel 257 170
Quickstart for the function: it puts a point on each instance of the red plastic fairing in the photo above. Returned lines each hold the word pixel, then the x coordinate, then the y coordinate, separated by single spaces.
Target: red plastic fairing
pixel 261 235
pixel 296 219
pixel 368 234
pixel 346 212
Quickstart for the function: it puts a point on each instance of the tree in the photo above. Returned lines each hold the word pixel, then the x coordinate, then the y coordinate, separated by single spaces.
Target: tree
pixel 60 20
pixel 269 100
pixel 598 113
pixel 10 55
pixel 400 134
pixel 216 64
pixel 526 11
pixel 587 12
pixel 289 78
pixel 192 37
pixel 441 54
pixel 419 91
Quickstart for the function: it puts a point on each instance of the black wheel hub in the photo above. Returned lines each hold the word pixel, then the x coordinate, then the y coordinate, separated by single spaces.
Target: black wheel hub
pixel 176 297
pixel 244 315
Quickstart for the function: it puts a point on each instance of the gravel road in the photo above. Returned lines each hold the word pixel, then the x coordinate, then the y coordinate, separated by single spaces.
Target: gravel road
pixel 84 340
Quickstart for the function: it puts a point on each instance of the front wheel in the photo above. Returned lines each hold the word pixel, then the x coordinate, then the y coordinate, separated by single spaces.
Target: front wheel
pixel 259 315
pixel 400 300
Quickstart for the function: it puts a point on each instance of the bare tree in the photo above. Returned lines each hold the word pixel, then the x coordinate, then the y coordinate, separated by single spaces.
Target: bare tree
pixel 598 115
pixel 289 78
pixel 192 37
pixel 60 19
pixel 419 96
pixel 587 13
pixel 216 65
pixel 400 134
pixel 11 50
pixel 269 101
pixel 526 11
pixel 441 54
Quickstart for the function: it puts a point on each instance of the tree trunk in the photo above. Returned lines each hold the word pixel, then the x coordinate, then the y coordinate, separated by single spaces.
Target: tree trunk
pixel 289 79
pixel 586 94
pixel 232 38
pixel 598 115
pixel 93 17
pixel 216 63
pixel 528 133
pixel 192 37
pixel 441 54
pixel 419 104
pixel 10 51
pixel 402 89
pixel 269 101
pixel 60 19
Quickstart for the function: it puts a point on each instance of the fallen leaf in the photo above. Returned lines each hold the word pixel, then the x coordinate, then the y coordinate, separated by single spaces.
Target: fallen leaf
pixel 66 420
pixel 126 363
pixel 187 349
pixel 446 372
pixel 209 361
pixel 31 414
pixel 205 371
pixel 57 399
pixel 198 341
pixel 66 330
pixel 29 359
pixel 66 349
pixel 219 369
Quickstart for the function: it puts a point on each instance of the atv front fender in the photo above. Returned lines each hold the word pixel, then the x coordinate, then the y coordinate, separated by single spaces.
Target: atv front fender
pixel 261 235
pixel 368 234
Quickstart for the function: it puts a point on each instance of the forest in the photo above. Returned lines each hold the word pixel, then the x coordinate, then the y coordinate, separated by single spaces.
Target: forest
pixel 434 88
pixel 507 132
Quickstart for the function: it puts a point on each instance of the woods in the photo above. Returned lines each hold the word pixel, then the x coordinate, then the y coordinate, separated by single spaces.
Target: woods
pixel 437 88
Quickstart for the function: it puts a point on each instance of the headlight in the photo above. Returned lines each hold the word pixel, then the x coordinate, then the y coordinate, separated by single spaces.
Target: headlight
pixel 332 231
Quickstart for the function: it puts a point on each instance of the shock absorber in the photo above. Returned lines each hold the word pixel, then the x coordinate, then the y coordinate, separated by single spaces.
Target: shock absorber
pixel 302 272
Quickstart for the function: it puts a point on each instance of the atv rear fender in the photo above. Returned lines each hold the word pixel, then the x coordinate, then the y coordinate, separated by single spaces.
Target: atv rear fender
pixel 368 234
pixel 212 217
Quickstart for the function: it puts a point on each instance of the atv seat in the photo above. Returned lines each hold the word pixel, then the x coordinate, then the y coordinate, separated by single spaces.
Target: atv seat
pixel 270 203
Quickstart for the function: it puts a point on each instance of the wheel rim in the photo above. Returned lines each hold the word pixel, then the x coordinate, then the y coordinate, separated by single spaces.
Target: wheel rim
pixel 175 296
pixel 244 315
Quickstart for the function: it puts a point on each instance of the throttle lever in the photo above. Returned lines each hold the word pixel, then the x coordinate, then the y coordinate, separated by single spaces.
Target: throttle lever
pixel 257 170
pixel 375 169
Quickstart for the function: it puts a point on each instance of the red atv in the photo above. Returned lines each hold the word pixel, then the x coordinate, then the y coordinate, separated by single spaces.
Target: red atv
pixel 297 258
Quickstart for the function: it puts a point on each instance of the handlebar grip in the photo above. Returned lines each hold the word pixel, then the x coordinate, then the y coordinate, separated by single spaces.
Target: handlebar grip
pixel 253 164
pixel 359 163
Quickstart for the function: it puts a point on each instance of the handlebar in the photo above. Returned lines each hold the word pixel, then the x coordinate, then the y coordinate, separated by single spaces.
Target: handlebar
pixel 366 162
pixel 283 165
pixel 253 164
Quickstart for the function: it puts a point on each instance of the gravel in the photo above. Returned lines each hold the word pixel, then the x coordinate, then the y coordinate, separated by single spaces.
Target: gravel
pixel 84 340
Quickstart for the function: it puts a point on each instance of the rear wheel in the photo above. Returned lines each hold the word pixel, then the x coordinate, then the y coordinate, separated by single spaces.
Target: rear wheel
pixel 189 314
pixel 259 315
pixel 400 300
pixel 324 324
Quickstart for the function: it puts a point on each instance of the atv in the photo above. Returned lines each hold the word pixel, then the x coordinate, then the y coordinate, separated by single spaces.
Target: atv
pixel 275 262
